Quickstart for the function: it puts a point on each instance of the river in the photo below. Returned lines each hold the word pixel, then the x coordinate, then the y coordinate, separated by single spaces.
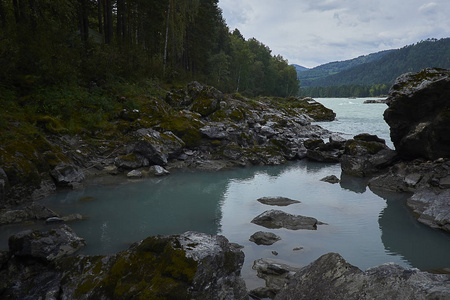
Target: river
pixel 367 228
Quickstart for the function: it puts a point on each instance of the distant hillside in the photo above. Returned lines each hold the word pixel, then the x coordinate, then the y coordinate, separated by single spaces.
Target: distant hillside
pixel 308 77
pixel 384 70
pixel 300 68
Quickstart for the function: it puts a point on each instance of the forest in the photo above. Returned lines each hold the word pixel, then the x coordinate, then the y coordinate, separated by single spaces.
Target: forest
pixel 80 44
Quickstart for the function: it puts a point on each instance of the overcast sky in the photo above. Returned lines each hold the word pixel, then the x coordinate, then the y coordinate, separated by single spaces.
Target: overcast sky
pixel 314 32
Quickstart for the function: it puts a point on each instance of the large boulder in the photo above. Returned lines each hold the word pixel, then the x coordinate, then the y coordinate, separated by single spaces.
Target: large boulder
pixel 419 114
pixel 332 277
pixel 277 201
pixel 188 266
pixel 49 245
pixel 264 238
pixel 432 208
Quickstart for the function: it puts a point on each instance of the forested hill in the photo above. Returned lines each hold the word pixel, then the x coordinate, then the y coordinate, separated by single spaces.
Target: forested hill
pixel 90 42
pixel 310 76
pixel 375 77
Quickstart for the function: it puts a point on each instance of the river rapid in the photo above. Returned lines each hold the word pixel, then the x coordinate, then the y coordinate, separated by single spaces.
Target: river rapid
pixel 366 227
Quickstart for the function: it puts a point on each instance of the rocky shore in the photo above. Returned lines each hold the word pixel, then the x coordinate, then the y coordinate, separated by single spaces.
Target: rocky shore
pixel 200 128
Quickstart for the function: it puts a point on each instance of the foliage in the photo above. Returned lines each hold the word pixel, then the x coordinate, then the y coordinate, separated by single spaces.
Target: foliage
pixel 374 90
pixel 90 42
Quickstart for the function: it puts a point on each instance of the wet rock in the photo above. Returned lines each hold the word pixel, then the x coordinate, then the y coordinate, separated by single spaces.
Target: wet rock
pixel 275 274
pixel 418 114
pixel 279 219
pixel 432 207
pixel 375 101
pixel 188 266
pixel 67 175
pixel 158 171
pixel 331 277
pixel 39 211
pixel 365 155
pixel 49 245
pixel 277 201
pixel 34 211
pixel 264 238
pixel 330 179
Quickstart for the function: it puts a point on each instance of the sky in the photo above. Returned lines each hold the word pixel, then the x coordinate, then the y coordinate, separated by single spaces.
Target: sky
pixel 313 32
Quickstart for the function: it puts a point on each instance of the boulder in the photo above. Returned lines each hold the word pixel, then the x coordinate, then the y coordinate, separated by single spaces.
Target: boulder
pixel 365 155
pixel 277 201
pixel 205 99
pixel 49 245
pixel 158 171
pixel 264 238
pixel 131 161
pixel 276 275
pixel 419 114
pixel 135 174
pixel 332 277
pixel 324 152
pixel 157 147
pixel 67 175
pixel 187 266
pixel 279 219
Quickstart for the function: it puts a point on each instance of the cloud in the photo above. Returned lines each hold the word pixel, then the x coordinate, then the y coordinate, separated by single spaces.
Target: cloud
pixel 313 32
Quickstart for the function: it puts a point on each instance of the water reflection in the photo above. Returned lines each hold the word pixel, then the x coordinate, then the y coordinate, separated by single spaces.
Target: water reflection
pixel 423 247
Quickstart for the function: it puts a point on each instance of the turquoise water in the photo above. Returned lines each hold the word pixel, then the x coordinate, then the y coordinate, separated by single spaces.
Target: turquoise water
pixel 367 228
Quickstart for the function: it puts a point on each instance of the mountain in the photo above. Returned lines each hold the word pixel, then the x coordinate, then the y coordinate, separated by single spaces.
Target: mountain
pixel 299 68
pixel 311 75
pixel 380 68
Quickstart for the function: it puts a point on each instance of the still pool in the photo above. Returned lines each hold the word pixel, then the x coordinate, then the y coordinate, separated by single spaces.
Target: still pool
pixel 366 227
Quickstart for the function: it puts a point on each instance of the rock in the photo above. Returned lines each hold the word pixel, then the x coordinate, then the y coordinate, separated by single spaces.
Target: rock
pixel 264 238
pixel 67 175
pixel 419 114
pixel 72 217
pixel 275 274
pixel 279 219
pixel 11 216
pixel 131 161
pixel 375 101
pixel 277 201
pixel 4 186
pixel 214 131
pixel 157 147
pixel 331 277
pixel 324 152
pixel 366 155
pixel 205 99
pixel 413 176
pixel 39 211
pixel 158 171
pixel 188 266
pixel 330 179
pixel 49 245
pixel 135 174
pixel 433 208
pixel 54 220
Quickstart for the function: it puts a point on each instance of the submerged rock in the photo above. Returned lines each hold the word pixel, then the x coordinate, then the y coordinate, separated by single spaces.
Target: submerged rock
pixel 419 114
pixel 277 201
pixel 279 219
pixel 330 179
pixel 264 238
pixel 331 277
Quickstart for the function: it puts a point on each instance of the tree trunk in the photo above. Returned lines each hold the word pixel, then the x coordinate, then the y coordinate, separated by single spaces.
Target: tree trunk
pixel 99 16
pixel 84 23
pixel 108 22
pixel 167 38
